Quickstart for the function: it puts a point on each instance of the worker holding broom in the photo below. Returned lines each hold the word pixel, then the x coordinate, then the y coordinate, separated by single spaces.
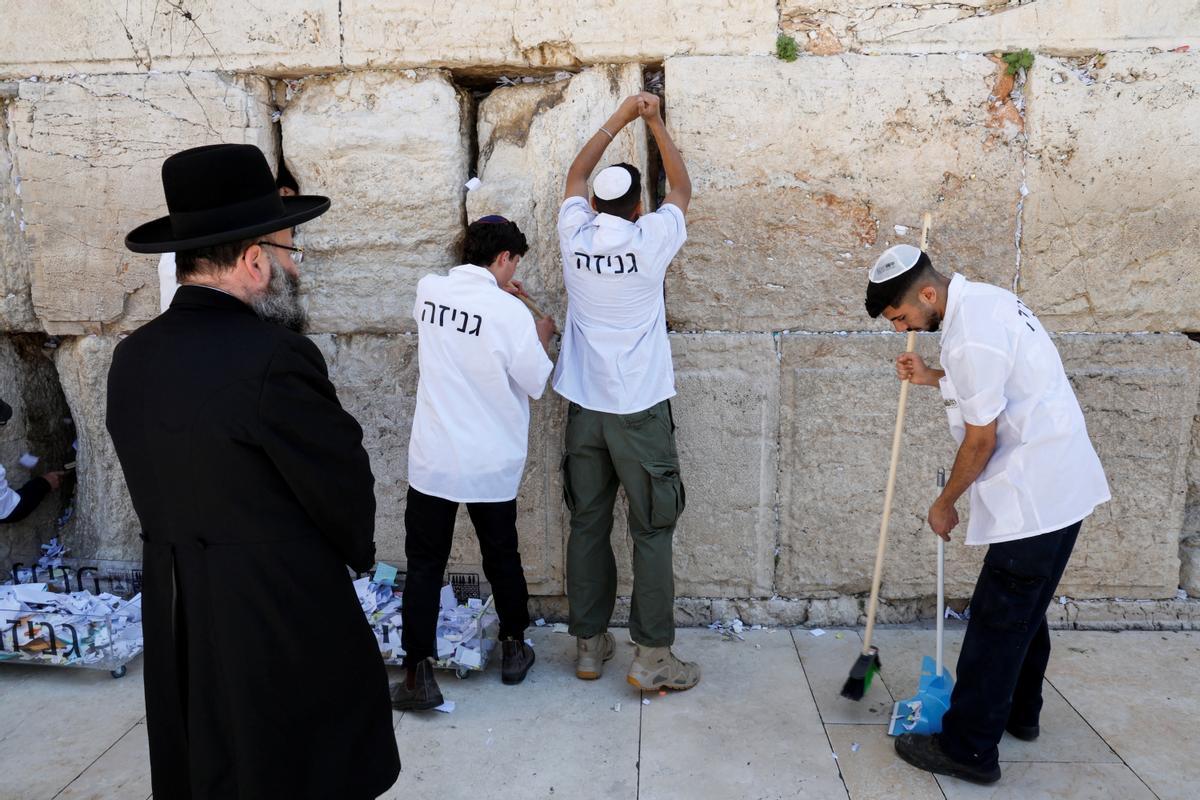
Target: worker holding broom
pixel 1033 476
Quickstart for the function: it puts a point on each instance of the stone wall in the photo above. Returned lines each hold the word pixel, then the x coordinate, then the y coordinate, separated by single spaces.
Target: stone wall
pixel 1072 181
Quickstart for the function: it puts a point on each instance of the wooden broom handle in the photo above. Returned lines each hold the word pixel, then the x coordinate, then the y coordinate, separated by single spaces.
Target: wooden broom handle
pixel 532 306
pixel 877 578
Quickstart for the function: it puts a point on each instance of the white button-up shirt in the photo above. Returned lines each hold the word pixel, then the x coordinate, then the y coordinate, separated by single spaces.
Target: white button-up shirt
pixel 9 499
pixel 1001 365
pixel 615 355
pixel 480 362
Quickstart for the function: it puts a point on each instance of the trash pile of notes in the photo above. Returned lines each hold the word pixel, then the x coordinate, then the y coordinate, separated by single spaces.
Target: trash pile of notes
pixel 466 634
pixel 75 629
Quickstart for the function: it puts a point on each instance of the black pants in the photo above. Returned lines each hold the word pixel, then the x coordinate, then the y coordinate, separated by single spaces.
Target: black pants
pixel 32 494
pixel 428 535
pixel 1007 645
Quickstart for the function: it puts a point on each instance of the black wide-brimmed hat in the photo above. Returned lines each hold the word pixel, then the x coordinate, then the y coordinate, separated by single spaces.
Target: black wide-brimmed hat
pixel 220 193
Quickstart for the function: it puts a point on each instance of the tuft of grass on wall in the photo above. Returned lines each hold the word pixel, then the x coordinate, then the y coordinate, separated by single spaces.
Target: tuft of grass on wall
pixel 786 48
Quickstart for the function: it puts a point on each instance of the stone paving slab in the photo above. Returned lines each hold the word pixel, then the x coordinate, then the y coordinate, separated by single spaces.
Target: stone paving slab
pixel 749 730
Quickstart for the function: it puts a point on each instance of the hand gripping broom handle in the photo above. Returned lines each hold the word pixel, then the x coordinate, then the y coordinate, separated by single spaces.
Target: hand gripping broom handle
pixel 877 579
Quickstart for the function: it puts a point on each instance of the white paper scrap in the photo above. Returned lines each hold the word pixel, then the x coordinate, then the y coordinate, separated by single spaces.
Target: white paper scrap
pixel 28 460
pixel 473 184
pixel 817 632
pixel 645 702
pixel 448 601
pixel 446 707
pixel 540 622
pixel 560 627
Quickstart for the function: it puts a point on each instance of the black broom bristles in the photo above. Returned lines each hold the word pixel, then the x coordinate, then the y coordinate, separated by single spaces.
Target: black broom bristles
pixel 861 674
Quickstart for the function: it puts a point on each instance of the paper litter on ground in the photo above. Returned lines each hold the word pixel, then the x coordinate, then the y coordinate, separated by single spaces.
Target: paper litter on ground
pixel 817 632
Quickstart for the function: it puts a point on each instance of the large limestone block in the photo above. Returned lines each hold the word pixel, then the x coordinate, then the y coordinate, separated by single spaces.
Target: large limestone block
pixel 376 378
pixel 391 150
pixel 39 426
pixel 1064 27
pixel 727 418
pixel 839 393
pixel 104 524
pixel 89 155
pixel 64 38
pixel 16 303
pixel 1110 237
pixel 792 206
pixel 510 33
pixel 1191 523
pixel 528 137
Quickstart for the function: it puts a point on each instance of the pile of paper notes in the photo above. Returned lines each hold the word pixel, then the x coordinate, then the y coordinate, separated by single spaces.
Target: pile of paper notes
pixel 466 634
pixel 68 629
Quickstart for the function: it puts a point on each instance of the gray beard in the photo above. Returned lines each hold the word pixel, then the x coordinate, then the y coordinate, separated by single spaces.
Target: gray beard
pixel 280 303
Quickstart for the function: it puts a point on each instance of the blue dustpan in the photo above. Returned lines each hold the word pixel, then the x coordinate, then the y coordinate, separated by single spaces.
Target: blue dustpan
pixel 922 713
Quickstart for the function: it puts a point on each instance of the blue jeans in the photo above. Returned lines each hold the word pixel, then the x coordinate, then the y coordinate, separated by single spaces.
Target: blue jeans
pixel 1007 645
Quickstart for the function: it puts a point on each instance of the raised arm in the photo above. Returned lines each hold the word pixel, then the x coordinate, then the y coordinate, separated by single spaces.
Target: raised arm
pixel 678 182
pixel 593 151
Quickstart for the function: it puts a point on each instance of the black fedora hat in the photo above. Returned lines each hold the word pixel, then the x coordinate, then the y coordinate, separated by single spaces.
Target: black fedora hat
pixel 220 193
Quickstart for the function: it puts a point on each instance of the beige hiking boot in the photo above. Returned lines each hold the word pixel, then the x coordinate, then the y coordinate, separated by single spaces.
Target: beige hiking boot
pixel 658 668
pixel 591 653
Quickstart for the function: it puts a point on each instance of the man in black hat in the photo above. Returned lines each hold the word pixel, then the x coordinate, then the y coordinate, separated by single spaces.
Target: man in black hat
pixel 17 504
pixel 263 679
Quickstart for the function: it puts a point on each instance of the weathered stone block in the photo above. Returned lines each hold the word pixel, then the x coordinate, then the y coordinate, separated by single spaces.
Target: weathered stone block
pixel 727 414
pixel 104 522
pixel 391 151
pixel 1110 239
pixel 1189 570
pixel 38 426
pixel 838 410
pixel 1064 27
pixel 16 303
pixel 281 37
pixel 509 33
pixel 89 152
pixel 792 207
pixel 528 137
pixel 1191 519
pixel 376 378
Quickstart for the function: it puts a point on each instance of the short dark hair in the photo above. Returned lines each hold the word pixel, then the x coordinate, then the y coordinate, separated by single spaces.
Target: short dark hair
pixel 213 259
pixel 488 237
pixel 892 293
pixel 624 205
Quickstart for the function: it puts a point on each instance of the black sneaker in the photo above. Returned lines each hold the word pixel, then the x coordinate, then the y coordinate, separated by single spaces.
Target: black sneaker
pixel 516 660
pixel 1026 733
pixel 925 752
pixel 425 693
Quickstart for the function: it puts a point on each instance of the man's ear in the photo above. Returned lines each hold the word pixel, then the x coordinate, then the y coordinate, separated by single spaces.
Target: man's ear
pixel 638 210
pixel 593 203
pixel 929 295
pixel 254 266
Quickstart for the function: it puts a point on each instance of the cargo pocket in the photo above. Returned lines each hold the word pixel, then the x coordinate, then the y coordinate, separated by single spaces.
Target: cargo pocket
pixel 566 480
pixel 1006 600
pixel 667 495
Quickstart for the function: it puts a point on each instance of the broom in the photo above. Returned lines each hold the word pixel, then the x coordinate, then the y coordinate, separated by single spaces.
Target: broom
pixel 868 663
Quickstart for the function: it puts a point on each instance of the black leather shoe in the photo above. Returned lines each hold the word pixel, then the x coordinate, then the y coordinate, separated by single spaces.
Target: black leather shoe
pixel 925 752
pixel 1026 733
pixel 425 693
pixel 516 660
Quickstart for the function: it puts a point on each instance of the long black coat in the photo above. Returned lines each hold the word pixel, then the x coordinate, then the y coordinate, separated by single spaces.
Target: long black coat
pixel 263 679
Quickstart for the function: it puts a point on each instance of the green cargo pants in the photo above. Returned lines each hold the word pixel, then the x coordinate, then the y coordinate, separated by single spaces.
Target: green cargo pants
pixel 635 451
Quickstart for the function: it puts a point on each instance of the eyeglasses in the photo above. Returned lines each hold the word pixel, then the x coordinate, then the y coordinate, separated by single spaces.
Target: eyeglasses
pixel 297 252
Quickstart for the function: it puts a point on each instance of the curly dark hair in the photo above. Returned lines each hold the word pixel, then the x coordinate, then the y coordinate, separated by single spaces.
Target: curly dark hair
pixel 488 237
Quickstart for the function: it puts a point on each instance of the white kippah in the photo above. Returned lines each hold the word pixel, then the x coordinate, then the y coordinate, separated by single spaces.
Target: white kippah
pixel 895 261
pixel 611 183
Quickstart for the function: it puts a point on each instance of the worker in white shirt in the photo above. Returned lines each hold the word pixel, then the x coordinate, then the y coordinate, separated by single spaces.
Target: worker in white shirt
pixel 482 357
pixel 1033 476
pixel 615 368
pixel 17 504
pixel 168 281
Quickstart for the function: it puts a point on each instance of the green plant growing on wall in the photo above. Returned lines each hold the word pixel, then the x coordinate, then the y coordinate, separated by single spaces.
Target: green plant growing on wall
pixel 785 48
pixel 1020 60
